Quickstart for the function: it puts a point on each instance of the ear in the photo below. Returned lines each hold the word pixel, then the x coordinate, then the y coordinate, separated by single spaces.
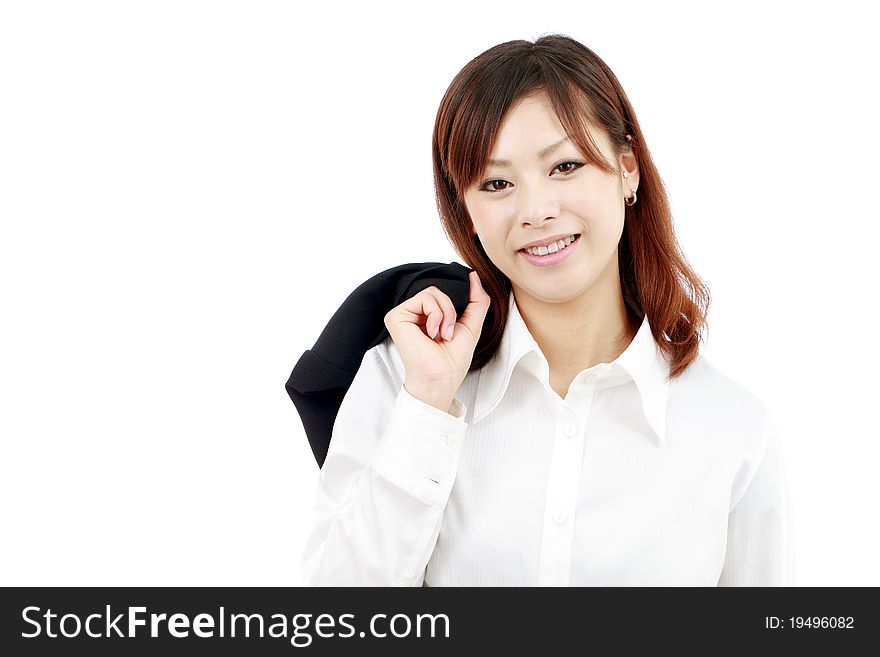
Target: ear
pixel 630 164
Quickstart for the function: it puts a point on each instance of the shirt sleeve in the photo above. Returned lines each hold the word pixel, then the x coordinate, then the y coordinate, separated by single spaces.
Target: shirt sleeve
pixel 384 484
pixel 760 527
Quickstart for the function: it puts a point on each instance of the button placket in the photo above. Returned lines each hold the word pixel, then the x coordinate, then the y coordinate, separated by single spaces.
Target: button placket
pixel 562 491
pixel 569 430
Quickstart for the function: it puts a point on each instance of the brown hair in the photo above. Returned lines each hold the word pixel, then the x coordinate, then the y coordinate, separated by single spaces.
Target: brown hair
pixel 655 277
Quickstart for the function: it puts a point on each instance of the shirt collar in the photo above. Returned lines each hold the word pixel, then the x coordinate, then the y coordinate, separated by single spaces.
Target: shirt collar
pixel 642 362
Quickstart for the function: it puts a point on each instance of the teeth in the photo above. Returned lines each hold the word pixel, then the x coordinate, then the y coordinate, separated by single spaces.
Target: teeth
pixel 552 248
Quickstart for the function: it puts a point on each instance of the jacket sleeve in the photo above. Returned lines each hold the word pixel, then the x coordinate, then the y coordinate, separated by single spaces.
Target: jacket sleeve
pixel 384 484
pixel 760 528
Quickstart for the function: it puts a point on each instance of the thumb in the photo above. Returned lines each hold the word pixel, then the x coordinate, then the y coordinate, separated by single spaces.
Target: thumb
pixel 478 305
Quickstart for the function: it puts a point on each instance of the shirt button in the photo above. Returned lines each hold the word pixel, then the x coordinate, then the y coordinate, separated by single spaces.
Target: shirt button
pixel 559 517
pixel 448 440
pixel 569 429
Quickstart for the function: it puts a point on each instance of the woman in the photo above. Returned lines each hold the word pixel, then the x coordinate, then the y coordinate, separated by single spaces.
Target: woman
pixel 565 430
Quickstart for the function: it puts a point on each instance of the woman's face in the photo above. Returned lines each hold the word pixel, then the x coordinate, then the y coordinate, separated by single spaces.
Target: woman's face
pixel 534 197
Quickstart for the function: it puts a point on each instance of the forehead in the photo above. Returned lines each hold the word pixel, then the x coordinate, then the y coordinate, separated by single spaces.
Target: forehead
pixel 530 126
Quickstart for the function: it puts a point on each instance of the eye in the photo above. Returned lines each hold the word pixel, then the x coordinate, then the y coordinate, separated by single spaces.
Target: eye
pixel 491 182
pixel 567 172
pixel 577 165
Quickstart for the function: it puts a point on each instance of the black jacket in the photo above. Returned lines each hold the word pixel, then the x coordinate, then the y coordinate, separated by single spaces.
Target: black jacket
pixel 324 373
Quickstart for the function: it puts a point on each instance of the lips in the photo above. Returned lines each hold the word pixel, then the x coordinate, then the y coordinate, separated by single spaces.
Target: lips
pixel 548 241
pixel 551 259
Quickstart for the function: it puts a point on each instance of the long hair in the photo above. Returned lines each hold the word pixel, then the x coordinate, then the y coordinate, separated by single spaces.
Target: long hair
pixel 656 279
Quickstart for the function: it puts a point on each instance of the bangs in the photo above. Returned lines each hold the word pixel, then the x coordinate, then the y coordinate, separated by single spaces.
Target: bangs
pixel 480 117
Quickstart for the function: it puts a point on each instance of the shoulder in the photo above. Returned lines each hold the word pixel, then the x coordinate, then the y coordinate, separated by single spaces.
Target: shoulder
pixel 721 405
pixel 706 382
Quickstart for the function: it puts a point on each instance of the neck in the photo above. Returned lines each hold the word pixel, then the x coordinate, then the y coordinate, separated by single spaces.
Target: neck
pixel 579 333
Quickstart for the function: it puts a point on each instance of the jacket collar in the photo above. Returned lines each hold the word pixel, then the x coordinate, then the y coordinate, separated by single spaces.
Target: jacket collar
pixel 642 362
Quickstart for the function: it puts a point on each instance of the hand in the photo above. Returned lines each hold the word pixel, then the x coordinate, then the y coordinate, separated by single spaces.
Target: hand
pixel 436 364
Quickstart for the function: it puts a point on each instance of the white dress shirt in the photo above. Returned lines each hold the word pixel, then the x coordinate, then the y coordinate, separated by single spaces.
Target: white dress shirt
pixel 627 481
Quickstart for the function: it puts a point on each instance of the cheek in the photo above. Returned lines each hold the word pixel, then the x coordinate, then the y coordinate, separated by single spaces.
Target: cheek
pixel 481 218
pixel 491 229
pixel 600 212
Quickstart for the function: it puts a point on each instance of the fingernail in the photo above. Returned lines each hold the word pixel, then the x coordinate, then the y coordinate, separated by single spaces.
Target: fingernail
pixel 448 332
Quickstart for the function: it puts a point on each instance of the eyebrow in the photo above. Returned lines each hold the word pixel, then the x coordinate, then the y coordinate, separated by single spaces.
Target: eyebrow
pixel 542 153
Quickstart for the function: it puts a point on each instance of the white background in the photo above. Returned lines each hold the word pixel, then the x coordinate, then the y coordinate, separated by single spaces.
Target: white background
pixel 189 190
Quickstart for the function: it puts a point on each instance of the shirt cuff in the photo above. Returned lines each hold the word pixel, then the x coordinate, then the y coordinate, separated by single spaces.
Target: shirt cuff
pixel 421 447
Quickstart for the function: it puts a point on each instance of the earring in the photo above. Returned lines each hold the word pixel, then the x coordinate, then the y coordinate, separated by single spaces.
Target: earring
pixel 633 197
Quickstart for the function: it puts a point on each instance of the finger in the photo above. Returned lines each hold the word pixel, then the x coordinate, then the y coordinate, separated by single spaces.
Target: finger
pixel 478 305
pixel 446 305
pixel 422 310
pixel 434 315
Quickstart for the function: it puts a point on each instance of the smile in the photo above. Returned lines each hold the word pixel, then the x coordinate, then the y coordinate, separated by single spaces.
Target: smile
pixel 554 258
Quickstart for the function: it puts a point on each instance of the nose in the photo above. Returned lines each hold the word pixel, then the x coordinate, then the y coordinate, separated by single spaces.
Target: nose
pixel 537 204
